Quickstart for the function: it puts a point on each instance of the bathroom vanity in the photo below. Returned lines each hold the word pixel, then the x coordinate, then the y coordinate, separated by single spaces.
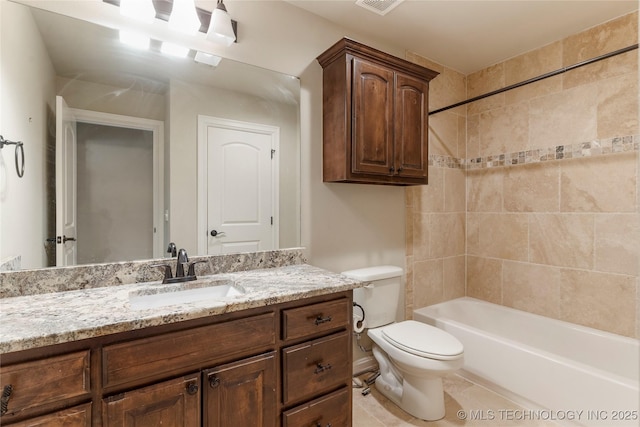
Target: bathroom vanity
pixel 277 353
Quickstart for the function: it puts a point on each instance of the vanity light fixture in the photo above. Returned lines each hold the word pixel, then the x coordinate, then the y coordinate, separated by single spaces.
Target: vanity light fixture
pixel 142 10
pixel 184 17
pixel 221 28
pixel 207 58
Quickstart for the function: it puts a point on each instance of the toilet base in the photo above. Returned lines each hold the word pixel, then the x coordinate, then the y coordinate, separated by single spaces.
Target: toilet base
pixel 421 397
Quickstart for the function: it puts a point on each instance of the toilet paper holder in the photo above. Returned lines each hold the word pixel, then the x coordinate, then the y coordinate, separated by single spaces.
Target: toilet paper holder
pixel 359 323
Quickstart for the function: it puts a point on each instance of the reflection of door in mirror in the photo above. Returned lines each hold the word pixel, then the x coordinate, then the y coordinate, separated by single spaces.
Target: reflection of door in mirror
pixel 113 194
pixel 238 177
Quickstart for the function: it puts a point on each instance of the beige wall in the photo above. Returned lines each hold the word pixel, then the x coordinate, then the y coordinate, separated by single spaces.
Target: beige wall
pixel 560 237
pixel 27 86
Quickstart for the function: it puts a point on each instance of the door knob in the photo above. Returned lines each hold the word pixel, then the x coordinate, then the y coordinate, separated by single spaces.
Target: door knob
pixel 64 239
pixel 215 233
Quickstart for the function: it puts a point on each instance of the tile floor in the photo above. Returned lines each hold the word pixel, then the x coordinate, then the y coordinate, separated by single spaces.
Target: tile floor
pixel 477 406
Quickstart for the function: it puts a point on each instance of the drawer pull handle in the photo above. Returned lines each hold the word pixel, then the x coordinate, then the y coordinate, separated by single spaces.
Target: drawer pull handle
pixel 4 401
pixel 320 320
pixel 214 382
pixel 192 388
pixel 320 425
pixel 321 368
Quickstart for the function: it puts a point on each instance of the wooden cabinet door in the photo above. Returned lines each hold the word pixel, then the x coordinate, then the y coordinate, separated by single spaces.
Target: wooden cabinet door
pixel 411 129
pixel 173 403
pixel 372 119
pixel 241 393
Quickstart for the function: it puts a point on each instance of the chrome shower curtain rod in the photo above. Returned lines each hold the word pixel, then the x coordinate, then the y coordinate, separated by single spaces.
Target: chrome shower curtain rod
pixel 536 79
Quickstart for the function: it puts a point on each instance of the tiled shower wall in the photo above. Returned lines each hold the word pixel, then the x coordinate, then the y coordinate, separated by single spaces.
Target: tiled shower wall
pixel 550 171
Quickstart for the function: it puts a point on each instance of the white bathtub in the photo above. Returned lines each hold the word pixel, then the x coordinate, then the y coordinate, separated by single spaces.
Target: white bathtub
pixel 562 371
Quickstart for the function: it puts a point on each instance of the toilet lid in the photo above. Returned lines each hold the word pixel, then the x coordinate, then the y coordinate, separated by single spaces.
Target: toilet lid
pixel 423 340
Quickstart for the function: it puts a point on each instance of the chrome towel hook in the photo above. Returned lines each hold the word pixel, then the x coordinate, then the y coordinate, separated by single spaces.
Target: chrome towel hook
pixel 19 154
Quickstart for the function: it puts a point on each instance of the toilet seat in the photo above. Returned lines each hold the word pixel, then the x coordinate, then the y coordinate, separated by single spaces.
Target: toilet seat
pixel 423 340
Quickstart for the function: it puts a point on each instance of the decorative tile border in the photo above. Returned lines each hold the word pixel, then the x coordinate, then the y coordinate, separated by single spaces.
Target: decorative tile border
pixel 559 152
pixel 446 162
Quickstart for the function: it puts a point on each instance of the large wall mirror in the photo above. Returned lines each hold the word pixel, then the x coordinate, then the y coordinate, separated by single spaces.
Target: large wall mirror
pixel 154 148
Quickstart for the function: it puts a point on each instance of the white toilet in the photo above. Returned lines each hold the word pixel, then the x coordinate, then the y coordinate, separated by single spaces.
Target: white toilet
pixel 413 356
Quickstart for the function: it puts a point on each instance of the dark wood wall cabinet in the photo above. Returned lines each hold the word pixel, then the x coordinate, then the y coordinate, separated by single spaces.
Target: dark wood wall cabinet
pixel 289 364
pixel 375 116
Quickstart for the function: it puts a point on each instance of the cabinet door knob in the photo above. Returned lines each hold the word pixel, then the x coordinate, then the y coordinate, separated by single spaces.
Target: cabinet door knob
pixel 192 388
pixel 214 381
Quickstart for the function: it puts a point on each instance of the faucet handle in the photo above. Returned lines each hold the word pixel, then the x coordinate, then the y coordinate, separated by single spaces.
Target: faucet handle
pixel 167 271
pixel 192 267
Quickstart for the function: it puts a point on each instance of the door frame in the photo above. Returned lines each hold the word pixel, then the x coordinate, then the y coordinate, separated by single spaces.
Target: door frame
pixel 157 129
pixel 202 166
pixel 66 191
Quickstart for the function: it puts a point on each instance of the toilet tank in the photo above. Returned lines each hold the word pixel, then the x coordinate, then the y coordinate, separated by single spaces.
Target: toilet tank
pixel 380 298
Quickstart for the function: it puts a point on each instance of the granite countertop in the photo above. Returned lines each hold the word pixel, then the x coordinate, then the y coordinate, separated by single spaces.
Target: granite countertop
pixel 39 320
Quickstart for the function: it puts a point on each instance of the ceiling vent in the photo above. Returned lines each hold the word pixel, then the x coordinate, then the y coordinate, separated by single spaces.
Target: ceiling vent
pixel 381 7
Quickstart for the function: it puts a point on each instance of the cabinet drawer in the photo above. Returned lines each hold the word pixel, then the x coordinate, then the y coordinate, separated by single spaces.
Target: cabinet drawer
pixel 315 367
pixel 302 321
pixel 175 353
pixel 330 410
pixel 79 416
pixel 41 382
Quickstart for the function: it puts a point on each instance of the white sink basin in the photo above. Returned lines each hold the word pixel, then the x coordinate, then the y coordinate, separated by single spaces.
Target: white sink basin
pixel 205 292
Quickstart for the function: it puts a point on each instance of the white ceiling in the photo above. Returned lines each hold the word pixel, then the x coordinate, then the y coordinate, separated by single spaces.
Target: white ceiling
pixel 472 34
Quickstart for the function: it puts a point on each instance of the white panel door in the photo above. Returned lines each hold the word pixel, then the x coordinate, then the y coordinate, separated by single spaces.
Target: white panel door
pixel 66 184
pixel 240 193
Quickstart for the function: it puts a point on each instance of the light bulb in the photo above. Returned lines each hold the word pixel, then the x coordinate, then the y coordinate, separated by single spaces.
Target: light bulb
pixel 220 28
pixel 207 58
pixel 141 10
pixel 184 17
